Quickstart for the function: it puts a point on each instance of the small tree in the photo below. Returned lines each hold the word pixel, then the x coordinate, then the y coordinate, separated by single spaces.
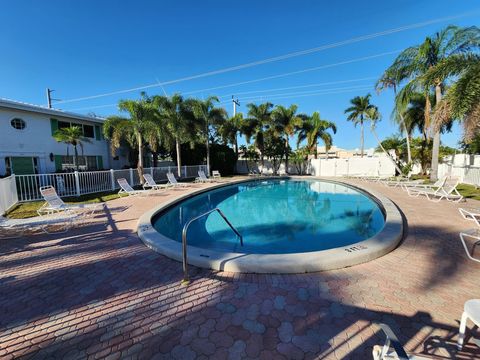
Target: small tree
pixel 72 135
pixel 274 149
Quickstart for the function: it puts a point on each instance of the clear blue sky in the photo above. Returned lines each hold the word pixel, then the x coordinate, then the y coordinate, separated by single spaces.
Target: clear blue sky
pixel 89 47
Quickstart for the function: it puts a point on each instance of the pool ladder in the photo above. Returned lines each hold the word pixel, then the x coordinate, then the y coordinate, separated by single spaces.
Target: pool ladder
pixel 184 239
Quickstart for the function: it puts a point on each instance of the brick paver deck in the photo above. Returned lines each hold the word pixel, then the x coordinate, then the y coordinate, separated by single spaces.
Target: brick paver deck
pixel 98 292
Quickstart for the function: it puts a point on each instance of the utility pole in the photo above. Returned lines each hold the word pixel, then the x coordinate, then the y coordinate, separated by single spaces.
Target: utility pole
pixel 49 98
pixel 235 103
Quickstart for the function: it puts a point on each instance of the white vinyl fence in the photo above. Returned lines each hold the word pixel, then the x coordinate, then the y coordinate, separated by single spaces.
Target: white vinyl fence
pixel 8 194
pixel 374 166
pixel 88 182
pixel 466 174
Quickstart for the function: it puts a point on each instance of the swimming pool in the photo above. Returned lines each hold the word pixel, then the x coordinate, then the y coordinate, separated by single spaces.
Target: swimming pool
pixel 275 217
pixel 288 225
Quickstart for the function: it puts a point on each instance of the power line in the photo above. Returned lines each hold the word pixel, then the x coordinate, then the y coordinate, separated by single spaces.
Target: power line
pixel 302 86
pixel 281 57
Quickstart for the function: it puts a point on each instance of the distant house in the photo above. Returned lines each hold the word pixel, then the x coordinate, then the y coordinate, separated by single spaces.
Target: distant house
pixel 27 145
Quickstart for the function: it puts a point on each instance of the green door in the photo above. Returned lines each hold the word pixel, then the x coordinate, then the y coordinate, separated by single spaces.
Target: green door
pixel 22 165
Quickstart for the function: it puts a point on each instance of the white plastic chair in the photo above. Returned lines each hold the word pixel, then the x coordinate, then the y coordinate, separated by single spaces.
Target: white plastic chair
pixel 125 188
pixel 470 214
pixel 203 178
pixel 448 192
pixel 173 181
pixel 216 174
pixel 473 234
pixel 392 349
pixel 414 185
pixel 471 310
pixel 151 184
pixel 17 227
pixel 53 203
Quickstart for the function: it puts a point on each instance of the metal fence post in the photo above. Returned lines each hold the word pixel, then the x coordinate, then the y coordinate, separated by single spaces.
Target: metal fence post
pixel 131 177
pixel 112 179
pixel 184 170
pixel 77 182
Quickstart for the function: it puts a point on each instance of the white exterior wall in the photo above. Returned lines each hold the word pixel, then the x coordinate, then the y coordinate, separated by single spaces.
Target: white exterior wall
pixel 36 140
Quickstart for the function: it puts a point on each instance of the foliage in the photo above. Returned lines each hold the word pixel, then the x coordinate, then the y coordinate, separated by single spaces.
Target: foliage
pixel 257 123
pixel 315 128
pixel 274 149
pixel 299 158
pixel 72 135
pixel 250 154
pixel 471 147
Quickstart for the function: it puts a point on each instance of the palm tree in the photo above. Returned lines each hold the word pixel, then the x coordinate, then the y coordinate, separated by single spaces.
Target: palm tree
pixel 462 99
pixel 207 115
pixel 230 129
pixel 390 80
pixel 174 118
pixel 285 122
pixel 414 62
pixel 139 125
pixel 360 111
pixel 258 121
pixel 72 135
pixel 315 128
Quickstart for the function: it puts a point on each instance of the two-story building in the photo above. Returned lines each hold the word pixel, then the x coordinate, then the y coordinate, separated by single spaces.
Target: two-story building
pixel 27 145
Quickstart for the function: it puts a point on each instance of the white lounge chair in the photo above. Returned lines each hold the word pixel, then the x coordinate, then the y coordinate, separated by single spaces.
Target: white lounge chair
pixel 216 174
pixel 254 173
pixel 53 203
pixel 470 214
pixel 151 184
pixel 414 185
pixel 473 234
pixel 471 310
pixel 17 227
pixel 125 188
pixel 392 349
pixel 173 181
pixel 448 192
pixel 202 178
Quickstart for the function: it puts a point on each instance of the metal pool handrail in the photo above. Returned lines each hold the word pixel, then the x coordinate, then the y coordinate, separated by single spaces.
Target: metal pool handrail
pixel 184 238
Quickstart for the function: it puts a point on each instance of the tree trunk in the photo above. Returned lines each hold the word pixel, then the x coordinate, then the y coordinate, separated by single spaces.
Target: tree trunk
pixel 236 145
pixel 286 155
pixel 407 138
pixel 361 139
pixel 436 140
pixel 179 158
pixel 140 159
pixel 386 152
pixel 316 150
pixel 76 157
pixel 208 155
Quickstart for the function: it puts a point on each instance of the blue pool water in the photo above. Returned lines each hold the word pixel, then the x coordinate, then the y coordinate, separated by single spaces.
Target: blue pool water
pixel 275 217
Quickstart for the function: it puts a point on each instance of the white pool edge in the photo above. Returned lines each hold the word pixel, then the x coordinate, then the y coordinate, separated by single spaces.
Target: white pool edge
pixel 380 244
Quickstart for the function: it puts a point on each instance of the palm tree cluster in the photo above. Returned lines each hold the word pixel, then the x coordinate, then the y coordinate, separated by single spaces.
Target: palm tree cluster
pixel 440 83
pixel 170 122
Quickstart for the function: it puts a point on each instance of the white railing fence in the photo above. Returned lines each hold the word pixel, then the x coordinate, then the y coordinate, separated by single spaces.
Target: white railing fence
pixel 8 193
pixel 88 182
pixel 466 174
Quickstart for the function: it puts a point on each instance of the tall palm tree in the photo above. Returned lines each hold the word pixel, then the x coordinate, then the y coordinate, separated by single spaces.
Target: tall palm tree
pixel 230 129
pixel 390 80
pixel 313 129
pixel 72 135
pixel 285 122
pixel 360 111
pixel 174 118
pixel 414 62
pixel 258 121
pixel 462 99
pixel 207 115
pixel 134 129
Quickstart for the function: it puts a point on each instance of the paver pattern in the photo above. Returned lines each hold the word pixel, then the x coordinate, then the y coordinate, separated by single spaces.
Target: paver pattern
pixel 98 292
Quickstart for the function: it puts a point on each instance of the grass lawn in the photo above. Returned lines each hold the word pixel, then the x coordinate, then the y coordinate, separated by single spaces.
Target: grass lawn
pixel 29 209
pixel 469 191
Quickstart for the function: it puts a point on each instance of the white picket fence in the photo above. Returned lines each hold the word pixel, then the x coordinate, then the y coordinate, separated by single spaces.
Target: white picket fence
pixel 88 182
pixel 466 174
pixel 8 193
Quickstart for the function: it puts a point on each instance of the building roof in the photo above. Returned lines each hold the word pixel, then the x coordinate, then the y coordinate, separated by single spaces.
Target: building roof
pixel 17 105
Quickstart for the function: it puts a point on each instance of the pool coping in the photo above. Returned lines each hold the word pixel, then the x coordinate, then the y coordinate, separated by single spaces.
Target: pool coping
pixel 380 244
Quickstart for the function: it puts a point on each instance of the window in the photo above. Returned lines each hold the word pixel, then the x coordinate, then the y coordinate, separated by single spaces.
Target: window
pixel 63 125
pixel 18 124
pixel 84 163
pixel 88 131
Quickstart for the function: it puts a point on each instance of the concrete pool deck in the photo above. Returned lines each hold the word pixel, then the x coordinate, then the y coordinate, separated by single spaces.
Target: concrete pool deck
pixel 99 292
pixel 294 263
